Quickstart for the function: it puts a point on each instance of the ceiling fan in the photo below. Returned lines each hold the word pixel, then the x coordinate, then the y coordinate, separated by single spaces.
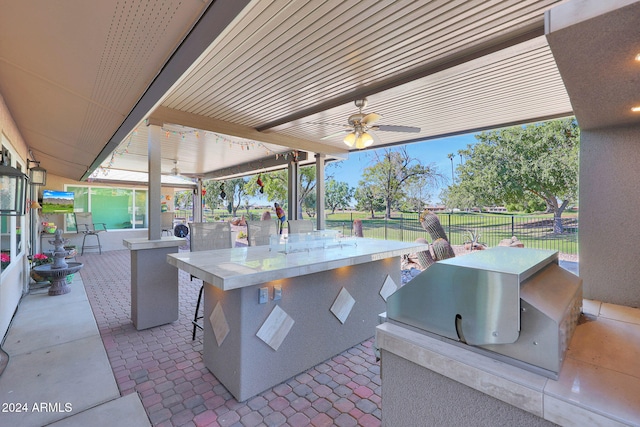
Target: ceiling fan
pixel 361 124
pixel 174 171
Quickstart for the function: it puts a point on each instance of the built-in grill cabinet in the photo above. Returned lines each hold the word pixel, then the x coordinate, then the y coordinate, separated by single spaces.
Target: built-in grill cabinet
pixel 514 304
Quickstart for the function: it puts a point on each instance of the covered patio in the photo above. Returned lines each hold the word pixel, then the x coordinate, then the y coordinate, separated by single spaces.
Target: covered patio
pixel 226 88
pixel 113 374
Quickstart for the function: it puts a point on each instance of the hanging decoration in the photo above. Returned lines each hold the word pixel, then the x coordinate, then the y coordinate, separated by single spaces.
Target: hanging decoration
pixel 293 154
pixel 117 152
pixel 260 184
pixel 244 145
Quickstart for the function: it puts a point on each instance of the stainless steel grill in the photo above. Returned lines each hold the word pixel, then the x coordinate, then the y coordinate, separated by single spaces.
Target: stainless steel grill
pixel 517 305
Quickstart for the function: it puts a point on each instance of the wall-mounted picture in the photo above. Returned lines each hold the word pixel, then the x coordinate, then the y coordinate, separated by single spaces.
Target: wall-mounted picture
pixel 57 201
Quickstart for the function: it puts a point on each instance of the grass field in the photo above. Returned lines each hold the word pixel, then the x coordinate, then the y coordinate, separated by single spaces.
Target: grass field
pixel 535 231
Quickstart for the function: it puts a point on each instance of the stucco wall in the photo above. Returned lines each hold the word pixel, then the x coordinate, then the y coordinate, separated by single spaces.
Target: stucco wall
pixel 415 396
pixel 610 215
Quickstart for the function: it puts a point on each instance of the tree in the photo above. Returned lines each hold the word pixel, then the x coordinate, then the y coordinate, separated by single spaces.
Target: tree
pixel 309 204
pixel 182 199
pixel 393 171
pixel 234 192
pixel 510 165
pixel 213 194
pixel 275 185
pixel 337 195
pixel 367 198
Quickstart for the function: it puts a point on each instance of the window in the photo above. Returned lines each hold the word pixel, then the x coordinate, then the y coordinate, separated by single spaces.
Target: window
pixel 118 208
pixel 12 245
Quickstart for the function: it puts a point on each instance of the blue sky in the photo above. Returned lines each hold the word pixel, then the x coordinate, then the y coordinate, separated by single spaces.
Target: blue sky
pixel 433 151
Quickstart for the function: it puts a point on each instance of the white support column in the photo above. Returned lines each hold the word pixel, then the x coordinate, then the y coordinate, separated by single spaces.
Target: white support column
pixel 320 190
pixel 155 184
pixel 197 202
pixel 293 187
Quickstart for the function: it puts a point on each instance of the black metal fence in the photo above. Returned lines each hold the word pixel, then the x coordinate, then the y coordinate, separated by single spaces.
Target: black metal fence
pixel 535 231
pixel 490 229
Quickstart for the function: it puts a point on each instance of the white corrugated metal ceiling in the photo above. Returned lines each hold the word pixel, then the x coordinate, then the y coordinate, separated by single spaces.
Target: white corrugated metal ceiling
pixel 255 80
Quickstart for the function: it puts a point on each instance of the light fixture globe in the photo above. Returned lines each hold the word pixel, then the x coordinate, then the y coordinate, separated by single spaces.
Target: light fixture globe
pixel 350 139
pixel 364 140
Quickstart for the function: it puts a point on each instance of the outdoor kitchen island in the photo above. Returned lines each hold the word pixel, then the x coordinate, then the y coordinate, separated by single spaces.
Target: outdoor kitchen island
pixel 271 312
pixel 449 354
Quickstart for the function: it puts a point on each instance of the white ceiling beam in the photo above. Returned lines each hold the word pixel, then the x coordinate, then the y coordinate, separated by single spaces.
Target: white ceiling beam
pixel 251 168
pixel 177 117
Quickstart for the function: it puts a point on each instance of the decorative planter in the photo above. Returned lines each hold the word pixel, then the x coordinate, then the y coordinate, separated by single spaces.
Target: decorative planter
pixel 72 252
pixel 37 277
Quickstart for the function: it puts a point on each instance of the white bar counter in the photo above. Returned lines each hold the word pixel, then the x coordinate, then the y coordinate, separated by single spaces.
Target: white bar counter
pixel 154 283
pixel 429 381
pixel 246 266
pixel 270 315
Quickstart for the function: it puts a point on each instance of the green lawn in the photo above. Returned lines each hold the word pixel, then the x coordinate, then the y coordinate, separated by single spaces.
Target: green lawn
pixel 535 231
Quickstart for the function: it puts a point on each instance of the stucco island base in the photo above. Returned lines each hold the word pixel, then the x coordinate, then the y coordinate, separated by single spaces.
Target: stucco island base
pixel 154 283
pixel 270 315
pixel 301 326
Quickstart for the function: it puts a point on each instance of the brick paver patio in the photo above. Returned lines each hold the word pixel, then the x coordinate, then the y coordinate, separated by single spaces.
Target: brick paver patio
pixel 164 366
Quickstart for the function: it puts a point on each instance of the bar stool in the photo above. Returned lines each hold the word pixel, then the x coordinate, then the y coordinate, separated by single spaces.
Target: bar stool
pixel 297 226
pixel 259 232
pixel 205 236
pixel 85 225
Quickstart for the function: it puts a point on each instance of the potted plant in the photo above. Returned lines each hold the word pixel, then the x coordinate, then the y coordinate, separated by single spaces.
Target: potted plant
pixel 5 260
pixel 36 260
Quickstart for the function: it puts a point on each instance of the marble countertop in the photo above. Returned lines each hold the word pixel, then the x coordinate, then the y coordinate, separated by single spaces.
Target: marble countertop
pixel 247 266
pixel 598 385
pixel 142 243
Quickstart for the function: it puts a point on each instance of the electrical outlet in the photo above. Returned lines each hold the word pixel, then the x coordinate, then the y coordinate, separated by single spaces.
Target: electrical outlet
pixel 263 296
pixel 277 292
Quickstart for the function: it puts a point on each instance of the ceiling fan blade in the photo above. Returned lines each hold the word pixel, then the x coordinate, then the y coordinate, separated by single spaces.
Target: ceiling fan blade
pixel 342 132
pixel 325 124
pixel 370 119
pixel 388 128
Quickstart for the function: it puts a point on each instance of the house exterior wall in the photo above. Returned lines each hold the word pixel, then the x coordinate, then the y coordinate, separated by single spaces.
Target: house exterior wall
pixel 15 278
pixel 610 215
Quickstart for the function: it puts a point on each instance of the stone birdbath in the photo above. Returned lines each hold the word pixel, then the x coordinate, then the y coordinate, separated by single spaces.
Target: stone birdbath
pixel 58 271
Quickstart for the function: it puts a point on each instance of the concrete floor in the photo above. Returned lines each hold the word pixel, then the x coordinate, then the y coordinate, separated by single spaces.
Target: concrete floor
pixel 58 371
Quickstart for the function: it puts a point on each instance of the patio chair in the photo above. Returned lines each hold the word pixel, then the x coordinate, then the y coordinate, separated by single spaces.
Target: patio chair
pixel 205 236
pixel 86 226
pixel 258 232
pixel 297 226
pixel 166 221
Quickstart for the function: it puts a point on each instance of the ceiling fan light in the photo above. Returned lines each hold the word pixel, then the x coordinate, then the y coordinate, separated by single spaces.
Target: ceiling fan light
pixel 364 140
pixel 350 139
pixel 368 139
